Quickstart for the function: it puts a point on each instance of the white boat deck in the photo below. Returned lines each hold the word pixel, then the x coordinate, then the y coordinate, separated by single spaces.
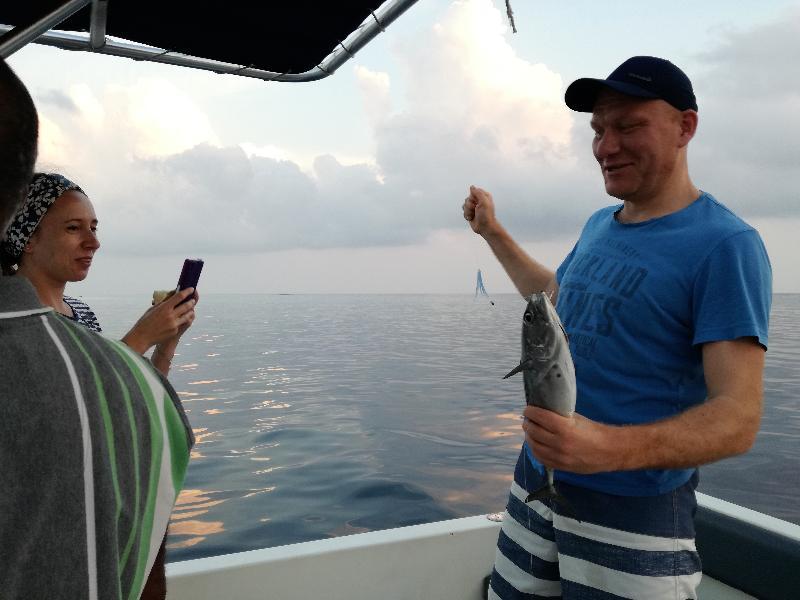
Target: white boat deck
pixel 443 561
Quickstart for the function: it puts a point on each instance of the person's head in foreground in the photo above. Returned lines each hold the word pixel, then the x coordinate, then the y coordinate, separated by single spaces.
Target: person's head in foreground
pixel 19 128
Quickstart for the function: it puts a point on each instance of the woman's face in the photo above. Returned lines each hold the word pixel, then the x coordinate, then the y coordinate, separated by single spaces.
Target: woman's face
pixel 64 243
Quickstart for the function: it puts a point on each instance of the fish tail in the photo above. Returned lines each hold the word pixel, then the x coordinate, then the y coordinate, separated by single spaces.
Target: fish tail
pixel 549 492
pixel 546 492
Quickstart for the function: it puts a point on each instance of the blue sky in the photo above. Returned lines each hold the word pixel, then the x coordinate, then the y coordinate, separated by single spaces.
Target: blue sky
pixel 354 183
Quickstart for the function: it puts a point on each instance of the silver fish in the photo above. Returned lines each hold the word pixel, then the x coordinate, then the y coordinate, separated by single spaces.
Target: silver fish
pixel 547 370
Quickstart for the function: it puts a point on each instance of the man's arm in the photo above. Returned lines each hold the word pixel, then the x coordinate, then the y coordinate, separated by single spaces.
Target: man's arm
pixel 724 425
pixel 528 275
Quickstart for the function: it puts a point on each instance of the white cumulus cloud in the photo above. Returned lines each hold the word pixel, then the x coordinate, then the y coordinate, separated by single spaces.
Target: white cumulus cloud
pixel 472 112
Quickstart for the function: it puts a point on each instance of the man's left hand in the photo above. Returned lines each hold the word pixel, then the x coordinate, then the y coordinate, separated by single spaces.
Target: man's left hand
pixel 575 444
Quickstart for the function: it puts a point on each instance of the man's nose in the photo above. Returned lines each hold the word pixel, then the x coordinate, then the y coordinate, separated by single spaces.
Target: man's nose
pixel 606 145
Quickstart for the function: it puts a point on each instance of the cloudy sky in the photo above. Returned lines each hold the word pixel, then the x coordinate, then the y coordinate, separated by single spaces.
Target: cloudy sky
pixel 355 183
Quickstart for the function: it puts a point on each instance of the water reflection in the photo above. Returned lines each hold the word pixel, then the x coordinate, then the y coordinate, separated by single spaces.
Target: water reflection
pixel 388 411
pixel 185 529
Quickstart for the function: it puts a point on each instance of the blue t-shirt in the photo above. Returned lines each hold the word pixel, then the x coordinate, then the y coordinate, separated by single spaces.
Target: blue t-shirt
pixel 639 300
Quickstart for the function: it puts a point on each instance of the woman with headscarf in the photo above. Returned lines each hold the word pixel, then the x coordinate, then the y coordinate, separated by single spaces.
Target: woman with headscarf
pixel 52 240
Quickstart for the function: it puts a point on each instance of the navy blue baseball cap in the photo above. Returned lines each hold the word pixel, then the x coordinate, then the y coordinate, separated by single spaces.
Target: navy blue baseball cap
pixel 641 77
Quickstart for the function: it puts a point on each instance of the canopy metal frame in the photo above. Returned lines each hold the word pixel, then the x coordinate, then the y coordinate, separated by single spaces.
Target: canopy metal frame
pixel 96 40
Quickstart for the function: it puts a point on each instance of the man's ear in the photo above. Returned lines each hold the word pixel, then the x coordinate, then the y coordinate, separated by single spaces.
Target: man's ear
pixel 688 124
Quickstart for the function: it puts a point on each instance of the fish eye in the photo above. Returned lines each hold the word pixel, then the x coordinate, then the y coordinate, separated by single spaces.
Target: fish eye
pixel 527 317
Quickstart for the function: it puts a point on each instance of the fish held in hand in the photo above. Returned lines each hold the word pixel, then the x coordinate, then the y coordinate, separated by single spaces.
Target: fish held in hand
pixel 547 371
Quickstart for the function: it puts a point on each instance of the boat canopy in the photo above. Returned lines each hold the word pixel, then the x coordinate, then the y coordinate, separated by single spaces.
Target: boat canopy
pixel 297 40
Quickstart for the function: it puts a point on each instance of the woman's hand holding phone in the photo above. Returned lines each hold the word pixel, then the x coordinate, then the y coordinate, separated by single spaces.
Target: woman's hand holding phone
pixel 171 315
pixel 165 322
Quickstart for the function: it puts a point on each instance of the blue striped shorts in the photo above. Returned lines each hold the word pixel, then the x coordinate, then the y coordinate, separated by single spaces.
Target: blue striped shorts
pixel 622 547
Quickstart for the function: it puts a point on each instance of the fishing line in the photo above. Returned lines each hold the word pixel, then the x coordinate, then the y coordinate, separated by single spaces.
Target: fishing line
pixel 510 15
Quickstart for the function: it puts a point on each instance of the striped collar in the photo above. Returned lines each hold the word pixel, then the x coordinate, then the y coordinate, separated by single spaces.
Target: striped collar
pixel 19 299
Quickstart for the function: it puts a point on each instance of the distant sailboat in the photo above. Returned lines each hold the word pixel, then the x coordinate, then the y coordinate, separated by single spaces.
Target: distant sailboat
pixel 480 290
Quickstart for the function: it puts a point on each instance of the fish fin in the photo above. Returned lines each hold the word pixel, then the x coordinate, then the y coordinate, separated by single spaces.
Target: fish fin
pixel 549 492
pixel 566 335
pixel 524 365
pixel 514 371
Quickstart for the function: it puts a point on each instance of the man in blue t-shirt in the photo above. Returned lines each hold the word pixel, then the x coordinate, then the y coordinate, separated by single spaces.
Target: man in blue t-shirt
pixel 666 301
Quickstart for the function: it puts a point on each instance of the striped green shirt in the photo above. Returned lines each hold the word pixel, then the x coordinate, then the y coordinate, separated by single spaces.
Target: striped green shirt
pixel 94 447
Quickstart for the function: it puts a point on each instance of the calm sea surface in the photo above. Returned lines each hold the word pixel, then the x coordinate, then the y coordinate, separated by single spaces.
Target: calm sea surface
pixel 321 416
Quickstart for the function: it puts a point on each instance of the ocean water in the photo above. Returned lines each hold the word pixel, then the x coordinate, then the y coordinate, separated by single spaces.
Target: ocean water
pixel 321 416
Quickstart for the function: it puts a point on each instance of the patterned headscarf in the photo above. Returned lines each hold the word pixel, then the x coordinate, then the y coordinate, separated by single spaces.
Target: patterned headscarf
pixel 45 188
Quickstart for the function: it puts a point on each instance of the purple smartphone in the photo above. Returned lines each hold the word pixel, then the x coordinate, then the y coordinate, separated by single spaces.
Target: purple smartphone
pixel 190 274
